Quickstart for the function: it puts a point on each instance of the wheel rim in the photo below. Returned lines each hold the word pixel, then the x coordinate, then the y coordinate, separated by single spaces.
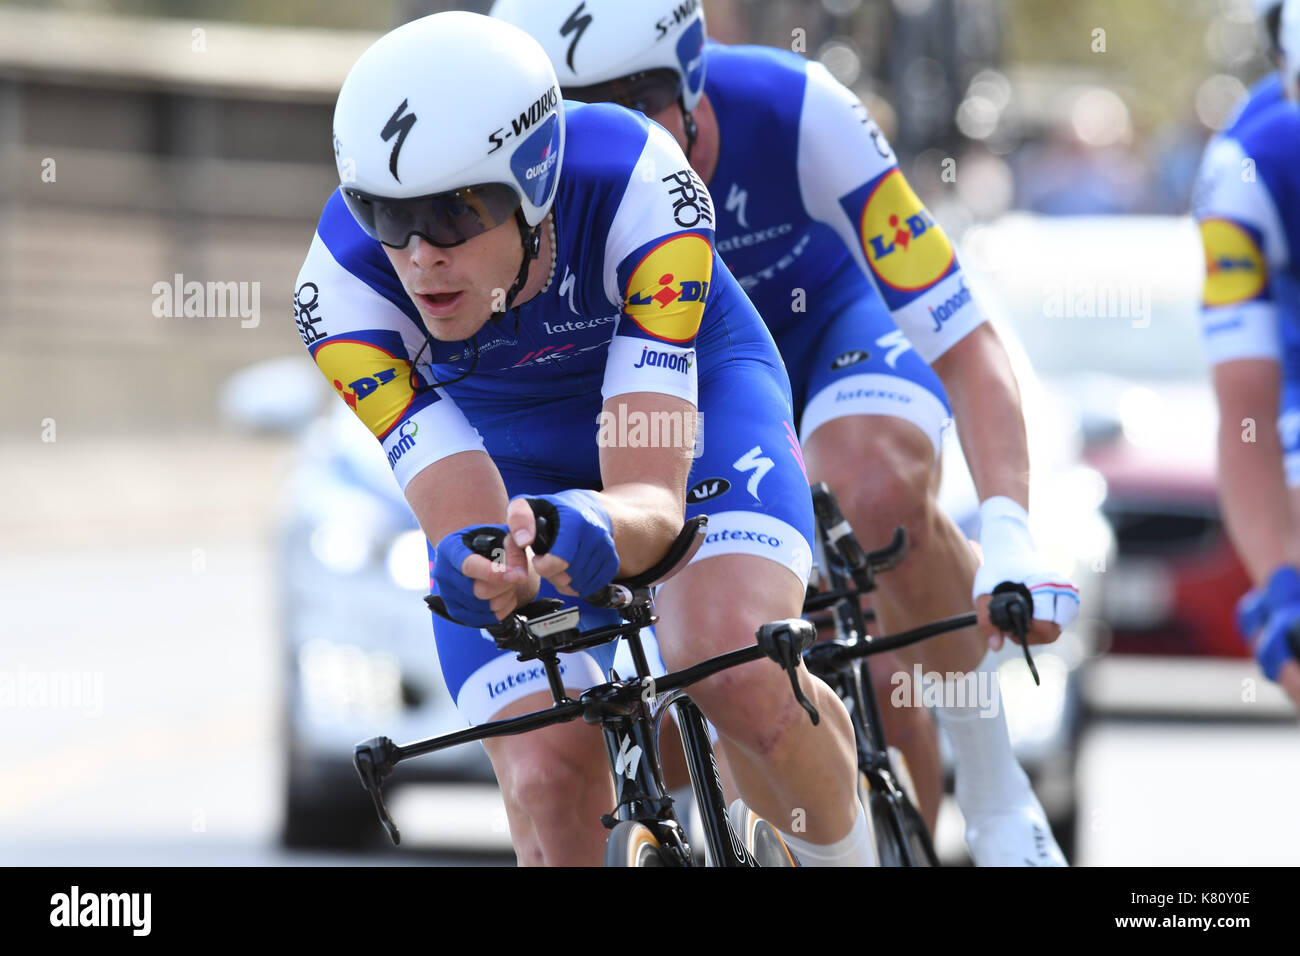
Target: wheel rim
pixel 643 848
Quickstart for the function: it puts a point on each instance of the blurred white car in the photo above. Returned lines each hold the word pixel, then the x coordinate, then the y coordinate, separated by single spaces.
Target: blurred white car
pixel 358 640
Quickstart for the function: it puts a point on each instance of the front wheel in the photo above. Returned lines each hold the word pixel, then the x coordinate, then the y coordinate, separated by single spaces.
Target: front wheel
pixel 884 832
pixel 634 844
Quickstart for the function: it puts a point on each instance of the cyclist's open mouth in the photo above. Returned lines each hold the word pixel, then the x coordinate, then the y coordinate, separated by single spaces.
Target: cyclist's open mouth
pixel 441 303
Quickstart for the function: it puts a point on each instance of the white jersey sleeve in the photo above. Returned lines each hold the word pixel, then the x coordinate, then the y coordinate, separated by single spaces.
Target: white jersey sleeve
pixel 658 272
pixel 1244 241
pixel 364 346
pixel 850 180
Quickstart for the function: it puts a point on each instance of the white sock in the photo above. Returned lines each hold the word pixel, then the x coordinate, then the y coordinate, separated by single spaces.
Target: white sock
pixel 988 776
pixel 853 850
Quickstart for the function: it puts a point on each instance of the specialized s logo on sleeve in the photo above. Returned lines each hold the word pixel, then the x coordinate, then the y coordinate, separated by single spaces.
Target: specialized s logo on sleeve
pixel 373 378
pixel 905 248
pixel 666 291
pixel 1235 270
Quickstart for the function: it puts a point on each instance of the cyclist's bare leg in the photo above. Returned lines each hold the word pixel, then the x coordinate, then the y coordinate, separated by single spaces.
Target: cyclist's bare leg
pixel 882 471
pixel 911 730
pixel 788 771
pixel 556 784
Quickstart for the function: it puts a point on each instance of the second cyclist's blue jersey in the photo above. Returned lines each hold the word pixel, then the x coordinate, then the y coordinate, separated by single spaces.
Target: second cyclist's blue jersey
pixel 638 303
pixel 1247 204
pixel 808 193
pixel 1266 92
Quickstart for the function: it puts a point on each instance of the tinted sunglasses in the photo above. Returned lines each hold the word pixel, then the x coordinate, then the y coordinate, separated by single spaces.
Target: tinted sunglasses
pixel 444 219
pixel 648 92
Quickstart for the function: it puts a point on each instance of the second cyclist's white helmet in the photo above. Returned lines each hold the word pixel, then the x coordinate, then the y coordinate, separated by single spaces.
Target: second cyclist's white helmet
pixel 594 41
pixel 449 101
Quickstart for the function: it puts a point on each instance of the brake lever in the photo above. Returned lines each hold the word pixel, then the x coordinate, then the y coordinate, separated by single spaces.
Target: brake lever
pixel 1012 609
pixel 785 642
pixel 374 762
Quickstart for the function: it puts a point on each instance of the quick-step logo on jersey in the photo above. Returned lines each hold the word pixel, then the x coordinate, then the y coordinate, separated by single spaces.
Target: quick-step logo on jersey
pixel 373 380
pixel 904 246
pixel 1235 270
pixel 666 292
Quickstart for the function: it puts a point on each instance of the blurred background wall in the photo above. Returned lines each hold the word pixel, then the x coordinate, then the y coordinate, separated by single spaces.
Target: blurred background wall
pixel 144 140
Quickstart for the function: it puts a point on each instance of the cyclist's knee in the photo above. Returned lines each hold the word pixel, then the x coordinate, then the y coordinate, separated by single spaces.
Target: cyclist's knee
pixel 885 482
pixel 554 796
pixel 752 706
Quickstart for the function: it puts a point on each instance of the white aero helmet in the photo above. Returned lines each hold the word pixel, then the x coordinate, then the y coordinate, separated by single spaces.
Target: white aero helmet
pixel 1288 36
pixel 446 127
pixel 643 54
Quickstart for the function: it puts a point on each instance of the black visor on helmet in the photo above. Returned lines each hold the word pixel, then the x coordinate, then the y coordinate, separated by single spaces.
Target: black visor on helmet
pixel 444 219
pixel 648 92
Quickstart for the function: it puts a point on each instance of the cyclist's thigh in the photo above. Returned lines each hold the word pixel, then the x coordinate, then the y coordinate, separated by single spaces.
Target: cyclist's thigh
pixel 863 365
pixel 569 753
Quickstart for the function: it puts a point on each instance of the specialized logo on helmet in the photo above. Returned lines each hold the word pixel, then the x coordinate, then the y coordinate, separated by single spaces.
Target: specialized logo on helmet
pixel 905 248
pixel 1235 270
pixel 666 292
pixel 399 126
pixel 525 120
pixel 576 24
pixel 374 382
pixel 675 17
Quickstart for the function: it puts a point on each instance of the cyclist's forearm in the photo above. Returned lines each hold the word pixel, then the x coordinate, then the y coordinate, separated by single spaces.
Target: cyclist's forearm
pixel 456 492
pixel 644 482
pixel 985 399
pixel 1253 494
pixel 646 518
pixel 1252 485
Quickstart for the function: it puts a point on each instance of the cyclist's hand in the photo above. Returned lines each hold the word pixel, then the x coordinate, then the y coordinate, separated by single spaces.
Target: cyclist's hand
pixel 1008 554
pixel 582 559
pixel 1269 621
pixel 1042 631
pixel 477 590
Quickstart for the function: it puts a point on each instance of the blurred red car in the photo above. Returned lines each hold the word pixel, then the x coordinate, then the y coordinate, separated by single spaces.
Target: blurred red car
pixel 1107 309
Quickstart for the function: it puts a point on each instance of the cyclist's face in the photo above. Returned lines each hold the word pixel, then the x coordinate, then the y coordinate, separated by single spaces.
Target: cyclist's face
pixel 457 289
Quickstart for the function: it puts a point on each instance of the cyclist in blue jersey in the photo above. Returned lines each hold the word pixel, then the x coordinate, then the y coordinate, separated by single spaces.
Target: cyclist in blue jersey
pixel 1247 204
pixel 872 314
pixel 1268 89
pixel 510 303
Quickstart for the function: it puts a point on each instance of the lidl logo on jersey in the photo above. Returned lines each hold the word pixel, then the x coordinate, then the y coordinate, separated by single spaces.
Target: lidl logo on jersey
pixel 904 246
pixel 374 382
pixel 1235 270
pixel 666 291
